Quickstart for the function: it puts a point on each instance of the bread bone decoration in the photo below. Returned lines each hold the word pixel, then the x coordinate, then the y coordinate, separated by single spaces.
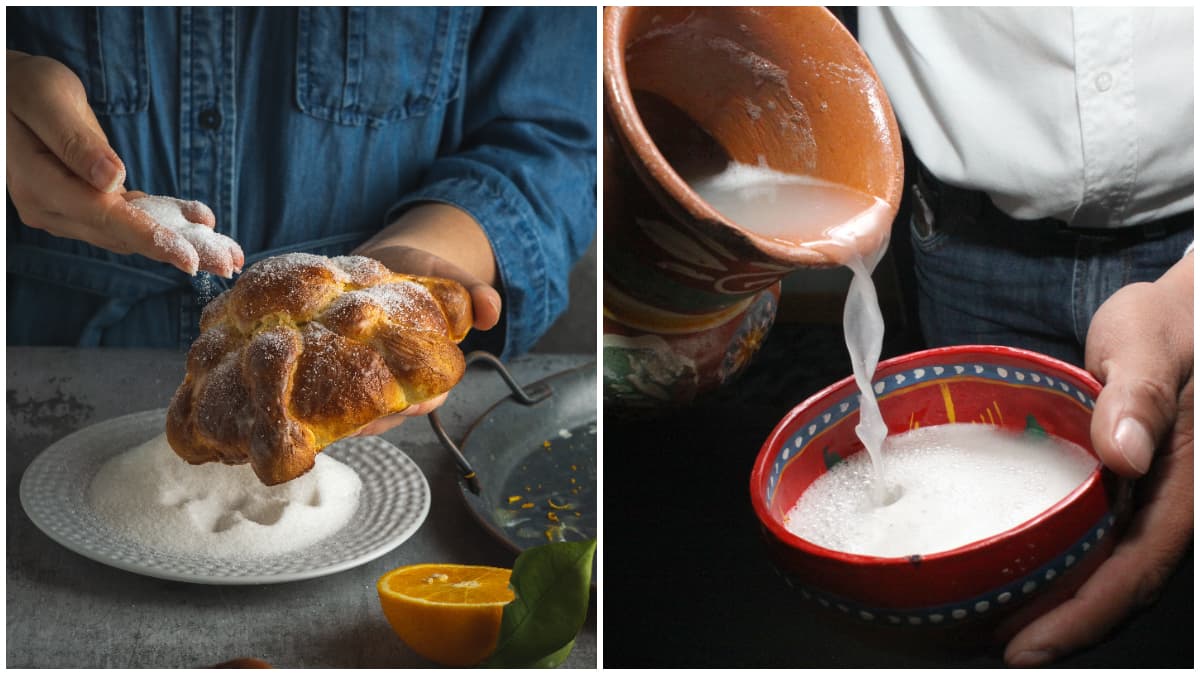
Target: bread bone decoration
pixel 304 350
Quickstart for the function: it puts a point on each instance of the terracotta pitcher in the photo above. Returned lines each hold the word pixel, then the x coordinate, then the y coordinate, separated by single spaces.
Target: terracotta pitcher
pixel 688 294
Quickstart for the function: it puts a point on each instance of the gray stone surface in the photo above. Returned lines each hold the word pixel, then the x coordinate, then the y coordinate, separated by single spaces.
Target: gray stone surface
pixel 65 610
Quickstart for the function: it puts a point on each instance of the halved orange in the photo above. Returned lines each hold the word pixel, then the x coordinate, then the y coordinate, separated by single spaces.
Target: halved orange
pixel 447 613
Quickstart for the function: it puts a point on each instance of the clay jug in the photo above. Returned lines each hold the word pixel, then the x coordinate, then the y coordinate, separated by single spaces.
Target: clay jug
pixel 689 295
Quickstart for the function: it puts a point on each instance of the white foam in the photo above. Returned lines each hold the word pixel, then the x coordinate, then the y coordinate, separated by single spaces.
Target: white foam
pixel 157 499
pixel 790 208
pixel 961 483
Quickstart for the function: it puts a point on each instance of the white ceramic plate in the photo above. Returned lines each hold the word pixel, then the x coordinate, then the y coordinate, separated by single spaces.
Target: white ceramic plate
pixel 393 503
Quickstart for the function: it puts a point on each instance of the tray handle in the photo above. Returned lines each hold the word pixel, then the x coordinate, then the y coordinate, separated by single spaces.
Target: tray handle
pixel 529 395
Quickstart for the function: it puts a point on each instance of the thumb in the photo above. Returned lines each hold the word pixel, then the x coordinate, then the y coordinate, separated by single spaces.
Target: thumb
pixel 84 148
pixel 59 115
pixel 1138 405
pixel 1132 417
pixel 486 303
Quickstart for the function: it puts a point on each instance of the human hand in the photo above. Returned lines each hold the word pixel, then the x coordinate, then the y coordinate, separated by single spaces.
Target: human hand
pixel 437 240
pixel 1140 346
pixel 65 178
pixel 485 301
pixel 195 222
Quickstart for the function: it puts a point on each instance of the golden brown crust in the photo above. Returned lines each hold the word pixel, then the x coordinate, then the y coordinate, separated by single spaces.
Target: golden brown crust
pixel 426 363
pixel 343 384
pixel 456 305
pixel 221 409
pixel 304 350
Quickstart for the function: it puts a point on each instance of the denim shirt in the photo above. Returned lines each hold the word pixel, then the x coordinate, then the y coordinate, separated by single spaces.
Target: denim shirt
pixel 310 129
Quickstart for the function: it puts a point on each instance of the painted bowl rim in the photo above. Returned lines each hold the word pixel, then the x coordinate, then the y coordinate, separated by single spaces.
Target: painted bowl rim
pixel 774 441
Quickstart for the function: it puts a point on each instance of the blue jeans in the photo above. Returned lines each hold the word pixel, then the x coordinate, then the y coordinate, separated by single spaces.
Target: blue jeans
pixel 986 278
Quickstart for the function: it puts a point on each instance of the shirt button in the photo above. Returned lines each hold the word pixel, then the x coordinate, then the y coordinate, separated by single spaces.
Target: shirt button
pixel 210 119
pixel 1103 81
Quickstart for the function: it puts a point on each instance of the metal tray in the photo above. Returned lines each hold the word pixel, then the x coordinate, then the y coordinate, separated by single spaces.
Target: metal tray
pixel 529 462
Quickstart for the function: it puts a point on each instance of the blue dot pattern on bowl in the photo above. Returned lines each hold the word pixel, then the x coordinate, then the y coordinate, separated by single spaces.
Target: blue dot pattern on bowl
pixel 896 382
pixel 978 607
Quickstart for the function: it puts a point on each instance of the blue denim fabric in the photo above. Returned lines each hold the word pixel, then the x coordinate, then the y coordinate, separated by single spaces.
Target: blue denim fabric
pixel 310 129
pixel 986 278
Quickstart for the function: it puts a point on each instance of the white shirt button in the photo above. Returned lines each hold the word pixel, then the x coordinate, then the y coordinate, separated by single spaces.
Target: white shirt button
pixel 1103 81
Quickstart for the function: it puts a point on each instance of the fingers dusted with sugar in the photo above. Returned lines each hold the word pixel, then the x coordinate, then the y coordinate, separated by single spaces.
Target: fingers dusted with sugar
pixel 150 238
pixel 190 224
pixel 198 212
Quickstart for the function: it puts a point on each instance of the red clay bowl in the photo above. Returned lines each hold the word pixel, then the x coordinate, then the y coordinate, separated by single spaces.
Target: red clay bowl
pixel 991 586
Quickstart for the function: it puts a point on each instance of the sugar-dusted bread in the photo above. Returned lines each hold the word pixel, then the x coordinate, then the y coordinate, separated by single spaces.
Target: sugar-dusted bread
pixel 304 350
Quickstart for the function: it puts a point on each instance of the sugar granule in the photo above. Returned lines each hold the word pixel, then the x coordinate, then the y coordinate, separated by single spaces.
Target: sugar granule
pixel 157 499
pixel 215 252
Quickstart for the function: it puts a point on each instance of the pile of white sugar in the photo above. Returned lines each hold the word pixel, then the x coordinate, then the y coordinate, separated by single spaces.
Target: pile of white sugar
pixel 157 499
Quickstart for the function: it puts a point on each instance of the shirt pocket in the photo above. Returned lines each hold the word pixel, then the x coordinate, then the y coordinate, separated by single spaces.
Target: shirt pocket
pixel 118 77
pixel 370 66
pixel 104 47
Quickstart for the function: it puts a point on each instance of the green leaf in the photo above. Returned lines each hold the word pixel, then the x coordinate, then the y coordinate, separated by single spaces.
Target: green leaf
pixel 552 584
pixel 557 658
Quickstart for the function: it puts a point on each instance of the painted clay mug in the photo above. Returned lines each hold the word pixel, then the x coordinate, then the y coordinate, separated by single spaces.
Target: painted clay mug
pixel 688 294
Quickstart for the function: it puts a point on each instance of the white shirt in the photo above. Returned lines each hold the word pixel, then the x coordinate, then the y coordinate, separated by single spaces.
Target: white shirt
pixel 1081 114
